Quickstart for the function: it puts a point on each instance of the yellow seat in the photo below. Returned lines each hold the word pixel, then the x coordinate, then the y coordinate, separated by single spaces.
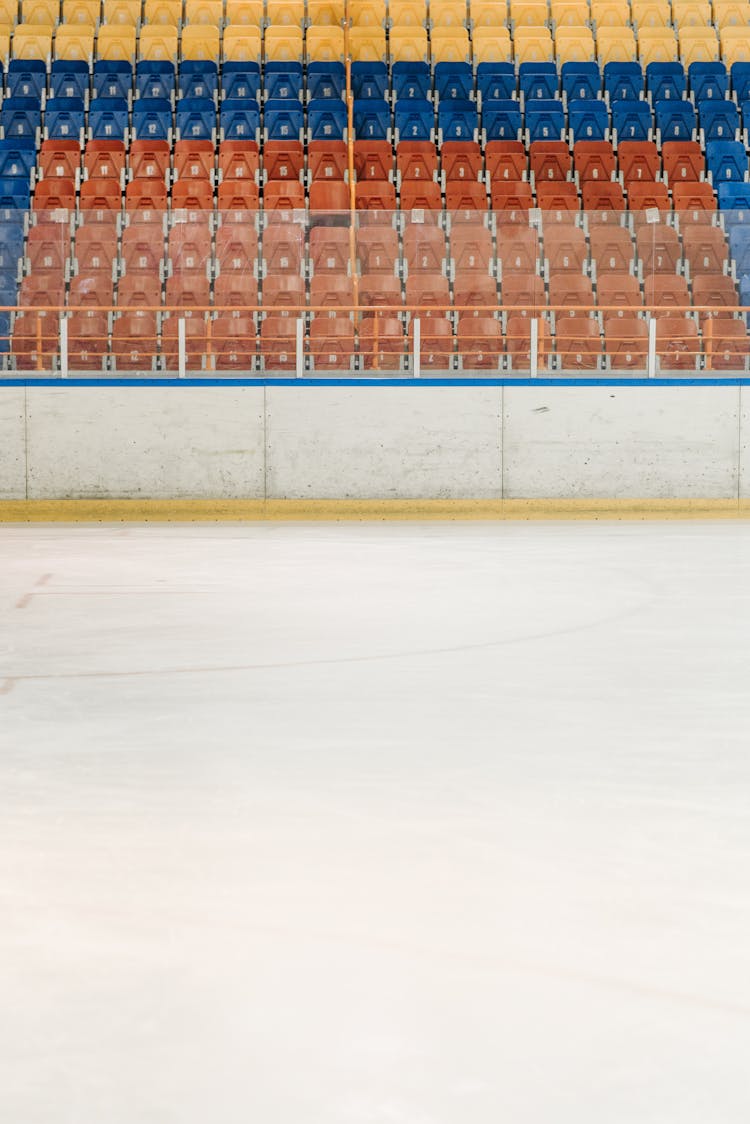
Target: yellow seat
pixel 698 44
pixel 285 13
pixel 165 13
pixel 691 13
pixel 574 44
pixel 366 13
pixel 610 13
pixel 492 44
pixel 569 13
pixel 407 13
pixel 656 44
pixel 447 13
pixel 409 45
pixel 43 12
pixel 533 44
pixel 284 44
pixel 731 13
pixel 210 12
pixel 115 43
pixel 8 13
pixel 528 13
pixel 651 13
pixel 615 44
pixel 74 42
pixel 200 42
pixel 325 44
pixel 450 44
pixel 84 13
pixel 32 41
pixel 487 13
pixel 735 45
pixel 245 13
pixel 242 44
pixel 367 44
pixel 325 13
pixel 157 43
pixel 5 31
pixel 124 13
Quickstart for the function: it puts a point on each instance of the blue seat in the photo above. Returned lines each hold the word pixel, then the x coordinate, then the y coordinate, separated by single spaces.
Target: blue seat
pixel 63 119
pixel 8 296
pixel 454 81
pixel 17 158
pixel 27 78
pixel 372 119
pixel 326 80
pixel 283 80
pixel 11 247
pixel 326 119
pixel 501 120
pixel 152 118
pixel 623 81
pixel 739 247
pixel 726 161
pixel 239 119
pixel 719 120
pixel 69 79
pixel 113 78
pixel 740 74
pixel 411 80
pixel 15 194
pixel 153 79
pixel 545 119
pixel 369 80
pixel 195 119
pixel 745 293
pixel 675 120
pixel 108 119
pixel 665 81
pixel 415 119
pixel 581 80
pixel 588 119
pixel 21 117
pixel 708 81
pixel 735 197
pixel 197 78
pixel 458 120
pixel 632 120
pixel 496 81
pixel 745 111
pixel 538 80
pixel 240 80
pixel 284 119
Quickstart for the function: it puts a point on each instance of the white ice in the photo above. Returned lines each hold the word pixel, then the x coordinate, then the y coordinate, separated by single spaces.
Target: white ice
pixel 375 824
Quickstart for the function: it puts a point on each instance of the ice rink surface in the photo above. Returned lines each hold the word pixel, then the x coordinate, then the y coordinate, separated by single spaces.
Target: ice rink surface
pixel 375 824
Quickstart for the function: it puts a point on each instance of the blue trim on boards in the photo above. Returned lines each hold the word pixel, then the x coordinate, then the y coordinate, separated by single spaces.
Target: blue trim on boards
pixel 398 382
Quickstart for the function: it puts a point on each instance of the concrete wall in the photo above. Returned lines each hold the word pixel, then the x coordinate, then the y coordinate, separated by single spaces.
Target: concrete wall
pixel 361 442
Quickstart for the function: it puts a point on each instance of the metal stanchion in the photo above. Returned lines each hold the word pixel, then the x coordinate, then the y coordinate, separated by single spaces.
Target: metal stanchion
pixel 534 348
pixel 300 338
pixel 651 368
pixel 417 357
pixel 181 356
pixel 63 347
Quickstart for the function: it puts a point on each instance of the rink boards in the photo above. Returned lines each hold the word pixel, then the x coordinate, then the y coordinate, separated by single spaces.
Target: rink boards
pixel 274 448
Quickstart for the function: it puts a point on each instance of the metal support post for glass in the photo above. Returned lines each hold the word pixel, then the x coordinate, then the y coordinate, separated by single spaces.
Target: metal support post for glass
pixel 534 348
pixel 300 346
pixel 63 347
pixel 181 352
pixel 651 363
pixel 417 356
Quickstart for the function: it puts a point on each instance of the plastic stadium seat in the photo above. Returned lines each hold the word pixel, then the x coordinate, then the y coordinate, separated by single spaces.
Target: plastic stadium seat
pixel 615 44
pixel 545 120
pixel 691 13
pixel 330 195
pixel 193 160
pixel 14 194
pixel 506 160
pixel 330 289
pixel 373 160
pixel 142 249
pixel 20 117
pixel 725 343
pixel 27 78
pixel 518 251
pixel 197 78
pixel 651 13
pixel 501 120
pixel 474 289
pixel 457 121
pixel 326 80
pixel 283 160
pixel 611 248
pixel 581 80
pixel 454 81
pixel 571 293
pixel 411 80
pixel 415 160
pixel 188 289
pixel 381 291
pixel 698 44
pixel 644 195
pixel 734 44
pixel 327 160
pixel 675 121
pixel 414 119
pixel 108 119
pixel 588 120
pixel 450 45
pixel 664 292
pixel 369 80
pixel 55 194
pixel 638 160
pixel 632 120
pixel 523 292
pixel 574 45
pixel 46 246
pixel 18 158
pixel 367 44
pixel 240 80
pixel 665 81
pixel 740 76
pixel 626 342
pixel 56 158
pixel 683 161
pixel 465 196
pixel 284 120
pixel 100 194
pixel 70 79
pixel 87 290
pixel 600 196
pixel 424 248
pixel 491 45
pixel 726 161
pixel 377 249
pixel 733 197
pixel 278 343
pixel 134 342
pixel 112 79
pixel 496 81
pixel 617 292
pixel 436 345
pixel 533 44
pixel 372 119
pixel 332 343
pixel 578 343
pixel 705 248
pixel 569 13
pixel 461 161
pixel 330 249
pixel 84 13
pixel 593 160
pixel 118 42
pixel 719 120
pixel 480 342
pixel 418 195
pixel 195 119
pixel 152 119
pixel 241 44
pixel 193 194
pixel 657 44
pixel 518 341
pixel 407 44
pixel 555 196
pixel 658 248
pixel 149 159
pixel 195 339
pixel 233 341
pixel 564 248
pixel 677 343
pixel 283 248
pixel 284 195
pixel 376 195
pixel 326 119
pixel 381 342
pixel 538 80
pixel 471 247
pixel 236 248
pixel 146 194
pixel 623 81
pixel 708 81
pixel 511 197
pixel 239 119
pixel 739 241
pixel 153 79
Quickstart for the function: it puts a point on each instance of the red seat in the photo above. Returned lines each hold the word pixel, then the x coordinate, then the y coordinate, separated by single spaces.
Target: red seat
pixel 726 344
pixel 238 195
pixel 594 160
pixel 626 342
pixel 555 196
pixel 235 289
pixel 48 246
pixel 233 341
pixel 149 160
pixel 714 292
pixel 284 290
pixel 278 343
pixel 616 292
pixel 376 196
pixel 518 249
pixel 471 246
pixel 381 342
pixel 611 248
pixel 510 196
pixel 96 245
pixel 505 160
pixel 373 160
pixel 91 290
pixel 424 248
pixel 61 158
pixel 88 340
pixel 193 195
pixel 55 194
pixel 579 345
pixel 377 249
pixel 639 161
pixel 705 247
pixel 188 288
pixel 327 160
pixel 415 160
pixel 282 160
pixel 523 293
pixel 698 198
pixel 236 248
pixel 239 160
pixel 643 195
pixel 550 161
pixel 664 292
pixel 480 342
pixel 518 341
pixel 677 345
pixel 461 160
pixel 35 337
pixel 427 294
pixel 330 249
pixel 570 291
pixel 195 340
pixel 139 290
pixel 146 194
pixel 465 195
pixel 603 197
pixel 194 159
pixel 436 343
pixel 658 248
pixel 565 247
pixel 332 343
pixel 284 248
pixel 329 195
pixel 142 248
pixel 422 195
pixel 101 195
pixel 43 288
pixel 684 161
pixel 379 290
pixel 475 289
pixel 284 195
pixel 331 290
pixel 134 342
pixel 105 159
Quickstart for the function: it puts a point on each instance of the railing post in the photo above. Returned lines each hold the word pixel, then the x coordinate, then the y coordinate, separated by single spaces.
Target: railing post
pixel 300 346
pixel 63 346
pixel 181 352
pixel 417 357
pixel 534 347
pixel 651 362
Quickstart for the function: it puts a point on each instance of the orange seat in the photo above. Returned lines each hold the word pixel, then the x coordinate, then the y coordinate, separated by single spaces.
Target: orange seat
pixel 149 159
pixel 523 293
pixel 659 248
pixel 422 195
pixel 284 290
pixel 466 196
pixel 552 195
pixel 616 292
pixel 238 195
pixel 626 342
pixel 332 343
pixel 579 345
pixel 139 290
pixel 236 247
pixel 714 293
pixel 239 160
pixel 377 249
pixel 380 290
pixel 643 195
pixel 436 343
pixel 480 342
pixel 373 160
pixel 88 340
pixel 677 344
pixel 142 249
pixel 505 160
pixel 611 248
pixel 471 247
pixel 684 161
pixel 134 343
pixel 278 343
pixel 381 342
pixel 104 159
pixel 550 161
pixel 461 160
pixel 233 341
pixel 188 289
pixel 54 194
pixel 376 196
pixel 694 197
pixel 89 290
pixel 415 160
pixel 571 294
pixel 327 160
pixel 593 160
pixel 96 246
pixel 565 247
pixel 193 194
pixel 284 195
pixel 518 341
pixel 43 287
pixel 150 195
pixel 427 294
pixel 329 195
pixel 283 160
pixel 195 340
pixel 509 196
pixel 518 249
pixel 235 289
pixel 665 292
pixel 424 248
pixel 330 249
pixel 329 289
pixel 48 246
pixel 639 161
pixel 283 248
pixel 705 248
pixel 726 344
pixel 603 197
pixel 188 246
pixel 61 158
pixel 475 288
pixel 194 159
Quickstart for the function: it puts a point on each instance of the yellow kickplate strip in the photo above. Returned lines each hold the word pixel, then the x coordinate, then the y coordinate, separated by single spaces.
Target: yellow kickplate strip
pixel 187 511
